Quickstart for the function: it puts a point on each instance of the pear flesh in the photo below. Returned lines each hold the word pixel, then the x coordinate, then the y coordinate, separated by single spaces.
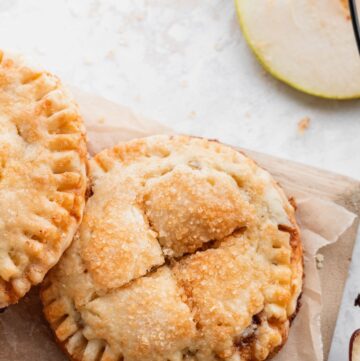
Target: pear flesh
pixel 308 44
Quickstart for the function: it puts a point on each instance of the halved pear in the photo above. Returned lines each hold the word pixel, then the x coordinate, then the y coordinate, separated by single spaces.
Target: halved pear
pixel 308 44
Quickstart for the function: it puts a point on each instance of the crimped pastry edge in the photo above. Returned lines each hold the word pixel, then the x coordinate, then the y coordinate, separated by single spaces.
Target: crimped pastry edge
pixel 296 259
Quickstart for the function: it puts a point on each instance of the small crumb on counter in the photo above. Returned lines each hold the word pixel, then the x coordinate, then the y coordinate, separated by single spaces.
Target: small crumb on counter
pixel 192 115
pixel 101 120
pixel 319 261
pixel 110 55
pixel 303 125
pixel 139 16
pixel 247 115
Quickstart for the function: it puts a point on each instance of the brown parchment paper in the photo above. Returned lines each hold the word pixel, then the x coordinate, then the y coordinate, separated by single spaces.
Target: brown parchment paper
pixel 24 334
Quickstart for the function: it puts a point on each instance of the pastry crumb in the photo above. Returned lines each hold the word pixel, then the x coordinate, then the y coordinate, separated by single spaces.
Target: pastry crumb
pixel 101 120
pixel 192 115
pixel 139 17
pixel 319 261
pixel 247 115
pixel 303 125
pixel 110 55
pixel 184 84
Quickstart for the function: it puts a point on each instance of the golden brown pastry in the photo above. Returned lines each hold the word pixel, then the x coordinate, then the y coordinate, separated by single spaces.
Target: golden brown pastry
pixel 42 175
pixel 188 251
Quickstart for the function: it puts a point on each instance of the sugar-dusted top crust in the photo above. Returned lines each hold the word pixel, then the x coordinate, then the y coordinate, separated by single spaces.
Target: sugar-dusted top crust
pixel 42 174
pixel 188 251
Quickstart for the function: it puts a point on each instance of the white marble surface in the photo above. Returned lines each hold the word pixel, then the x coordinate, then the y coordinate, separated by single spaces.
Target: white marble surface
pixel 185 62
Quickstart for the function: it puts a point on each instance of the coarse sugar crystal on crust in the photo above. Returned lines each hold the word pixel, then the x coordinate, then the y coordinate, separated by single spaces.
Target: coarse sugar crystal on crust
pixel 187 251
pixel 42 174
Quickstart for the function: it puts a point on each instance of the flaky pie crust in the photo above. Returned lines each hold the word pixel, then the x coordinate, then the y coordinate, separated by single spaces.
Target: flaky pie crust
pixel 187 251
pixel 42 174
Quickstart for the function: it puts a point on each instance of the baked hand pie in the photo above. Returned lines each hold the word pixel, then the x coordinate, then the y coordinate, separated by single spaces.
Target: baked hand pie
pixel 42 175
pixel 187 251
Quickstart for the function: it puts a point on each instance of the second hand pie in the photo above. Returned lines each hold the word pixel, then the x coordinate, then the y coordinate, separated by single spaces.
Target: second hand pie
pixel 188 251
pixel 42 174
